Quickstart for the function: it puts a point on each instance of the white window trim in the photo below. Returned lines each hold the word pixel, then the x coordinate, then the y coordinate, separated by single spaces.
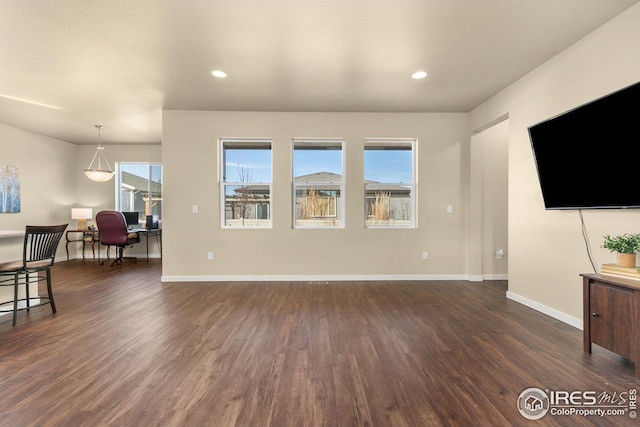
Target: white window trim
pixel 339 206
pixel 224 184
pixel 386 142
pixel 119 185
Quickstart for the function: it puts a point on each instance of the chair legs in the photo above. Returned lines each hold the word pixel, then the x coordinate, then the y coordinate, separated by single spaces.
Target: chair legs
pixel 50 292
pixel 26 281
pixel 119 257
pixel 15 300
pixel 26 291
pixel 40 245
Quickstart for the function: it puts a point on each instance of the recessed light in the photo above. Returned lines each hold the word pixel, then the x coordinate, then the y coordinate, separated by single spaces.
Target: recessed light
pixel 419 75
pixel 219 74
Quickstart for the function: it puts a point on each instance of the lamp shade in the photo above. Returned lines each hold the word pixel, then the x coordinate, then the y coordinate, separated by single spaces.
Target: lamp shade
pixel 81 215
pixel 98 175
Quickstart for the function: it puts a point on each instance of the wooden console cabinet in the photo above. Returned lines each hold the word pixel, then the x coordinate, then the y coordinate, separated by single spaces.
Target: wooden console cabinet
pixel 612 315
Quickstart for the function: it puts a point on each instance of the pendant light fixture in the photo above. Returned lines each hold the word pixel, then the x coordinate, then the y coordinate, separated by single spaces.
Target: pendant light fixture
pixel 95 172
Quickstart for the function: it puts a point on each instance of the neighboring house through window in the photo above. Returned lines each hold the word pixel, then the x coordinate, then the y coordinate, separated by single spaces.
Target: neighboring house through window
pixel 318 186
pixel 389 173
pixel 246 182
pixel 139 189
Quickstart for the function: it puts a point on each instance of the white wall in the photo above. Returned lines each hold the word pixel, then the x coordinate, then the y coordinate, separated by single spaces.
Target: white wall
pixel 191 166
pixel 489 202
pixel 546 248
pixel 47 182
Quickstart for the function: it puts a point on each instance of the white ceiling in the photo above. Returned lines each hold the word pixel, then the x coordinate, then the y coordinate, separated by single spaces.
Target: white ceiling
pixel 119 63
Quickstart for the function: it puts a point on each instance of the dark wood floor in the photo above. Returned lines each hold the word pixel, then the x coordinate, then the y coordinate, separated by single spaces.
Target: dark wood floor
pixel 125 349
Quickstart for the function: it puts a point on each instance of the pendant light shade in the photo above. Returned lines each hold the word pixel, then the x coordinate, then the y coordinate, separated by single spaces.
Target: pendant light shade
pixel 95 171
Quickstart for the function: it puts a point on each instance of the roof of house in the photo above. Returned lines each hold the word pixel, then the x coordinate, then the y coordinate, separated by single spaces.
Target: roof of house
pixel 320 177
pixel 330 177
pixel 141 183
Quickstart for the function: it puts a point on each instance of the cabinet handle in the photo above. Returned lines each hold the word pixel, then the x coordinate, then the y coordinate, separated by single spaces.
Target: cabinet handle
pixel 595 315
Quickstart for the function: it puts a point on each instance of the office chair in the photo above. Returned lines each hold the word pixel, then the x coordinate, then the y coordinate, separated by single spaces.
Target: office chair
pixel 38 255
pixel 112 228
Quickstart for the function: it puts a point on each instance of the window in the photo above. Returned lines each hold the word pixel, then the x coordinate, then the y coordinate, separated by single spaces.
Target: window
pixel 246 183
pixel 389 173
pixel 139 189
pixel 318 190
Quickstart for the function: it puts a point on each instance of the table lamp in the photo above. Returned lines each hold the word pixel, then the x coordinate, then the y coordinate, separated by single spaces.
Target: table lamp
pixel 81 215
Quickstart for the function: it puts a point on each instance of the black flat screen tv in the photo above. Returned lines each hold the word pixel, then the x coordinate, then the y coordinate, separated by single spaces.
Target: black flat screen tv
pixel 589 157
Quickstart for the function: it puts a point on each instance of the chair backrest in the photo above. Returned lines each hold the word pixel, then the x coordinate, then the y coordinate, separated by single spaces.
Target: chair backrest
pixel 40 244
pixel 112 227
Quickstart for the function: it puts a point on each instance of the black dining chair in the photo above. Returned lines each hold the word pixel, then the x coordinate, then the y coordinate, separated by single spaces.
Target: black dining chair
pixel 38 256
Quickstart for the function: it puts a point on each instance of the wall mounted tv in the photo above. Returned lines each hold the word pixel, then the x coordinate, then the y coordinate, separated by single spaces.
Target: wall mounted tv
pixel 589 157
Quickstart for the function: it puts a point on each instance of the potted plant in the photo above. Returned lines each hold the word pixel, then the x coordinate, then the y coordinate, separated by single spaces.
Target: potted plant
pixel 626 246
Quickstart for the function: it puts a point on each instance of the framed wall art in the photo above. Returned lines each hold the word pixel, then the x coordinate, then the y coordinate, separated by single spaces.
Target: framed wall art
pixel 9 189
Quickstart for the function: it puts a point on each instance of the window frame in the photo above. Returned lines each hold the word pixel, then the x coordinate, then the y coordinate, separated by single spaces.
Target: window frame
pixel 148 210
pixel 412 143
pixel 244 144
pixel 329 221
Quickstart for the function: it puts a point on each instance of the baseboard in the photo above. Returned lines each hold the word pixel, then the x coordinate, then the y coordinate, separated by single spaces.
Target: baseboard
pixel 552 312
pixel 102 258
pixel 495 277
pixel 312 278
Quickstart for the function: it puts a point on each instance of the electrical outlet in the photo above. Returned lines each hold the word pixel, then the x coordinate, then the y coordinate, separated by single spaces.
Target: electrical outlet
pixel 425 255
pixel 194 208
pixel 210 256
pixel 449 208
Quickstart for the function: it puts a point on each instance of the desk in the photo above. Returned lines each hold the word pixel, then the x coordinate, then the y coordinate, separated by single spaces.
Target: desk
pixel 11 245
pixel 11 233
pixel 85 237
pixel 157 232
pixel 148 232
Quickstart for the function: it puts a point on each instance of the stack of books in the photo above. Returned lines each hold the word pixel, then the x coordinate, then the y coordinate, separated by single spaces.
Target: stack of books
pixel 616 270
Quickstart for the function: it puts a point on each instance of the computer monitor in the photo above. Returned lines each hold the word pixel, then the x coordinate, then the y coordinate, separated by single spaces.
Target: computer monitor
pixel 152 222
pixel 133 219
